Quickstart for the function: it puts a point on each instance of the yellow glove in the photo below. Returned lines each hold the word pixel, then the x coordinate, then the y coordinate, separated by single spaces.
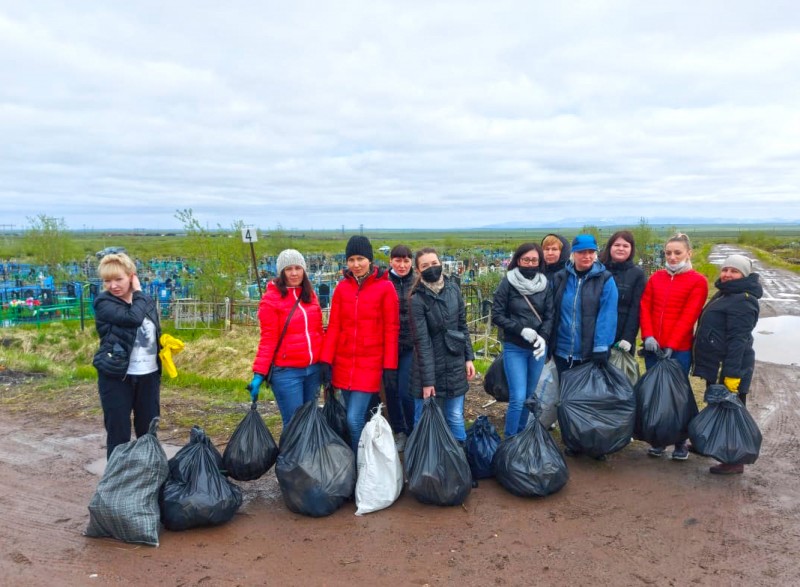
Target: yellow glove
pixel 732 383
pixel 169 345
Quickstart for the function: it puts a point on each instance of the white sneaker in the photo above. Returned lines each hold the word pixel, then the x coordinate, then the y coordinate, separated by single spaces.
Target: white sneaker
pixel 400 441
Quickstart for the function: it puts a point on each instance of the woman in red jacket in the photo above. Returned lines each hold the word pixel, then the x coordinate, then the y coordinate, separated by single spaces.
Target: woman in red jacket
pixel 362 337
pixel 291 337
pixel 671 304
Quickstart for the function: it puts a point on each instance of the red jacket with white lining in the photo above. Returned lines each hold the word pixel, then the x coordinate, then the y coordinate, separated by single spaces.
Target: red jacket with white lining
pixel 302 343
pixel 363 329
pixel 670 307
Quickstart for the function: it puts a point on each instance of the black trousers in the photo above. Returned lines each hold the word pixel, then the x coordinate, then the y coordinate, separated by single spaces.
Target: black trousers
pixel 140 394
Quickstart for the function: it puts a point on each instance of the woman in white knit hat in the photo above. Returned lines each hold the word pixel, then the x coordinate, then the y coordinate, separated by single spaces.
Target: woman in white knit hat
pixel 291 337
pixel 723 346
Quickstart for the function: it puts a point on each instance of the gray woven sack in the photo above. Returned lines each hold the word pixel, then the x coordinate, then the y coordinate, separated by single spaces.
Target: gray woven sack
pixel 125 504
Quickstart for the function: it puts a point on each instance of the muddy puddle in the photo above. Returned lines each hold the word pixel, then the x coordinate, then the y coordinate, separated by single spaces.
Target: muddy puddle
pixel 777 340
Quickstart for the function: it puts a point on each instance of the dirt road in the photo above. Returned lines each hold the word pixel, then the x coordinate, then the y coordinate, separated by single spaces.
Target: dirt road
pixel 632 520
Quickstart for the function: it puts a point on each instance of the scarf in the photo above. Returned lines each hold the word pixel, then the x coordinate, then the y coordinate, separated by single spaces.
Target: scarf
pixel 524 286
pixel 684 267
pixel 436 286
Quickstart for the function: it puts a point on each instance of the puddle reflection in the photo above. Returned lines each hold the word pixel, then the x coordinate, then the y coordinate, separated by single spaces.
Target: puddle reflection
pixel 777 340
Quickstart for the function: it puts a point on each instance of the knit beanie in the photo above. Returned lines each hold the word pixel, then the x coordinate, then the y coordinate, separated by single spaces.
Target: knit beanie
pixel 288 258
pixel 739 262
pixel 358 245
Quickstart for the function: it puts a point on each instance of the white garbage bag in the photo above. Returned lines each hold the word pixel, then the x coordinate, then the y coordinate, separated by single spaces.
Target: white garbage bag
pixel 380 474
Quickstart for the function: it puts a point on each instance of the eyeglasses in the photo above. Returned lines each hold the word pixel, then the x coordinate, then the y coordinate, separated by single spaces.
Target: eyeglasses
pixel 529 261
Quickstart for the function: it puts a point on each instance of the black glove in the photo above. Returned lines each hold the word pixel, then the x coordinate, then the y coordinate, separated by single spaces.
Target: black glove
pixel 324 373
pixel 600 358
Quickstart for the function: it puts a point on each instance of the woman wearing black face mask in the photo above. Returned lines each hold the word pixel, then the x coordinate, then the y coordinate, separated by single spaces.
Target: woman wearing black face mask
pixel 523 311
pixel 442 362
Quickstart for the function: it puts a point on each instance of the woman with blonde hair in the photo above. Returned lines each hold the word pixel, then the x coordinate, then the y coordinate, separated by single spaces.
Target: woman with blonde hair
pixel 127 363
pixel 671 304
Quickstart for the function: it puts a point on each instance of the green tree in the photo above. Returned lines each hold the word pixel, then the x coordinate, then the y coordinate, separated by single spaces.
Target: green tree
pixel 593 230
pixel 645 238
pixel 47 241
pixel 222 259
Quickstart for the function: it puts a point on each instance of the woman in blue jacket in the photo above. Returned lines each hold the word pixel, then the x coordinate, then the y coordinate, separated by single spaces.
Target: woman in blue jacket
pixel 585 297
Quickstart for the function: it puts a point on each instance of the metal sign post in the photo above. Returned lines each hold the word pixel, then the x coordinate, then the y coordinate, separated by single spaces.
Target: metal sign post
pixel 250 235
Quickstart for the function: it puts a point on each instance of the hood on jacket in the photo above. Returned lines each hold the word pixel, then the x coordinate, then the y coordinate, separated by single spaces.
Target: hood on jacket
pixel 566 249
pixel 750 285
pixel 596 269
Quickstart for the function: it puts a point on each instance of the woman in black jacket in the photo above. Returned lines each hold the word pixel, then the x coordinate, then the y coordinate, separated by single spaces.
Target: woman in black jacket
pixel 723 345
pixel 618 256
pixel 442 363
pixel 396 383
pixel 127 363
pixel 523 311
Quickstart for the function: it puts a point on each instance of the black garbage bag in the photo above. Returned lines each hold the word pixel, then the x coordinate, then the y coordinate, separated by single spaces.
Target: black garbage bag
pixel 316 470
pixel 251 451
pixel 495 382
pixel 125 504
pixel 335 414
pixel 435 464
pixel 482 442
pixel 725 430
pixel 197 493
pixel 665 404
pixel 530 463
pixel 597 409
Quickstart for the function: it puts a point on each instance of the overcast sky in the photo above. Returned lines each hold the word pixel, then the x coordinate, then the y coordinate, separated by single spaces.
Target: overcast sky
pixel 404 114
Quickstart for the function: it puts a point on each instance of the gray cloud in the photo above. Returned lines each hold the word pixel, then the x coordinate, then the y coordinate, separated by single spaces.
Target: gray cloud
pixel 390 114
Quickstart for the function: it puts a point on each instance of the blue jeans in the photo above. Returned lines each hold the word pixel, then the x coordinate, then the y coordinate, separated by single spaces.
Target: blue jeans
pixel 357 404
pixel 453 409
pixel 522 372
pixel 293 387
pixel 683 357
pixel 399 401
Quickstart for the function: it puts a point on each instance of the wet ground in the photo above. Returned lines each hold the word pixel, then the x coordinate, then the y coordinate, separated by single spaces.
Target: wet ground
pixel 632 520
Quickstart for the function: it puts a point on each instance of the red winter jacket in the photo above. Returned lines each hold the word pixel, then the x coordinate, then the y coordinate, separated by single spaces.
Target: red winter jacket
pixel 363 330
pixel 670 307
pixel 302 343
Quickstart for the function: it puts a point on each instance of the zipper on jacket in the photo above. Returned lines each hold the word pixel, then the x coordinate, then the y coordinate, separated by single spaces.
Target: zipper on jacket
pixel 664 308
pixel 355 330
pixel 574 310
pixel 308 336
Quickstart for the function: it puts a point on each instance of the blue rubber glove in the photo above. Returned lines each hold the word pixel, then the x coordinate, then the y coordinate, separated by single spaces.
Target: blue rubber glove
pixel 254 385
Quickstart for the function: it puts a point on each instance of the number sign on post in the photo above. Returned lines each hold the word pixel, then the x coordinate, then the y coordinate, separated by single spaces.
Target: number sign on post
pixel 250 235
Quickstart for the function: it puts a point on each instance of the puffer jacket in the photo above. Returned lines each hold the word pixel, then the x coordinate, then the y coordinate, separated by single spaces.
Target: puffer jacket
pixel 363 329
pixel 630 281
pixel 302 344
pixel 117 321
pixel 402 286
pixel 553 268
pixel 670 307
pixel 723 346
pixel 586 312
pixel 442 343
pixel 511 313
